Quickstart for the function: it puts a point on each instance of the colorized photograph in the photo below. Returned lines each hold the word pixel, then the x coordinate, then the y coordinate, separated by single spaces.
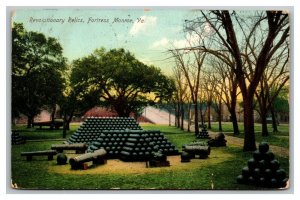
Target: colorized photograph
pixel 150 99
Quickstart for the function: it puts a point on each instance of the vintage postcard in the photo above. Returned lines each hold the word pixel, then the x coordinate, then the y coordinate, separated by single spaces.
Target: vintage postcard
pixel 150 99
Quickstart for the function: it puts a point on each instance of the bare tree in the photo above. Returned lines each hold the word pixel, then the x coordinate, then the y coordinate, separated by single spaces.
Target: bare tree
pixel 273 80
pixel 190 63
pixel 235 31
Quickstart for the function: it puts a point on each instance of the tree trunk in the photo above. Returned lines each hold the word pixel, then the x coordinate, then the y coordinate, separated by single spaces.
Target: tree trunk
pixel 182 117
pixel 189 118
pixel 220 116
pixel 235 125
pixel 274 120
pixel 196 118
pixel 65 126
pixel 249 141
pixel 69 121
pixel 208 115
pixel 178 115
pixel 264 126
pixel 29 121
pixel 53 117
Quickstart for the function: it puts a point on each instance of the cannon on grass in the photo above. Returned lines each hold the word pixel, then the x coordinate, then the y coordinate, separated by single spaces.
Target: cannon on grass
pixel 98 157
pixel 193 150
pixel 218 141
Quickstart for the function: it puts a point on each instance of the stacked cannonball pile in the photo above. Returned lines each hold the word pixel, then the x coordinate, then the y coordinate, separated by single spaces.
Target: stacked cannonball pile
pixel 16 138
pixel 203 134
pixel 219 141
pixel 137 148
pixel 263 170
pixel 92 127
pixel 133 145
pixel 112 141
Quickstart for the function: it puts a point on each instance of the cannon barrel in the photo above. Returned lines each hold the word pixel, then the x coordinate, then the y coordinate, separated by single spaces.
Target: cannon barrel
pixel 100 153
pixel 197 149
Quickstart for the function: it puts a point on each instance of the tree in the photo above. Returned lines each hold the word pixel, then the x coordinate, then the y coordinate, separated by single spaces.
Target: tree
pixel 37 65
pixel 227 85
pixel 273 80
pixel 191 66
pixel 235 32
pixel 180 96
pixel 123 83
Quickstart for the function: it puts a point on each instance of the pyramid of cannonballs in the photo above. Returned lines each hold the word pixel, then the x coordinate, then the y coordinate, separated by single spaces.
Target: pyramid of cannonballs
pixel 263 170
pixel 92 128
pixel 133 145
pixel 122 138
pixel 203 134
pixel 16 138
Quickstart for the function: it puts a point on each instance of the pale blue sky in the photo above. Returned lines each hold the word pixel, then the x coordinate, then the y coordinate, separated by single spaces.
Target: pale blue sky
pixel 148 41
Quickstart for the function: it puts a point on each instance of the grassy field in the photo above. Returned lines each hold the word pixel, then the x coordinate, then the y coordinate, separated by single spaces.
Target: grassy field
pixel 281 138
pixel 219 171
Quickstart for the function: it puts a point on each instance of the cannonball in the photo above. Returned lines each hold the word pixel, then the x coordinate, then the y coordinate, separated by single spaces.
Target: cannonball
pixel 251 180
pixel 257 155
pixel 268 173
pixel 262 164
pixel 185 157
pixel 252 164
pixel 262 181
pixel 61 159
pixel 256 172
pixel 274 182
pixel 275 164
pixel 263 147
pixel 246 172
pixel 240 179
pixel 280 174
pixel 269 156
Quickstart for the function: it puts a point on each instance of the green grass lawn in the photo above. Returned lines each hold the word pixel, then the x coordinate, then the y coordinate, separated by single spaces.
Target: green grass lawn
pixel 222 174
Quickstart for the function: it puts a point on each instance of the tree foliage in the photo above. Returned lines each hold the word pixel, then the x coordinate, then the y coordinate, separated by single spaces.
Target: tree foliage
pixel 122 82
pixel 37 65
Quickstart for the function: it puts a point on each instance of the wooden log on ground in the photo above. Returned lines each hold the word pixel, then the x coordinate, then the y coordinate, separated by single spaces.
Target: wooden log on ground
pixel 98 157
pixel 79 147
pixel 29 155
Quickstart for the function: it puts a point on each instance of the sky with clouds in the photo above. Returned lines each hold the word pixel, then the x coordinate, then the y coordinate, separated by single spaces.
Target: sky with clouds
pixel 147 33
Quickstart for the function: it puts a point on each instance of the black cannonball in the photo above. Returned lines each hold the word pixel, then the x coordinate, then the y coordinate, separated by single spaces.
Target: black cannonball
pixel 246 172
pixel 256 172
pixel 268 173
pixel 185 157
pixel 252 164
pixel 257 155
pixel 274 182
pixel 61 159
pixel 262 164
pixel 240 179
pixel 269 156
pixel 263 147
pixel 275 164
pixel 280 174
pixel 251 180
pixel 262 181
